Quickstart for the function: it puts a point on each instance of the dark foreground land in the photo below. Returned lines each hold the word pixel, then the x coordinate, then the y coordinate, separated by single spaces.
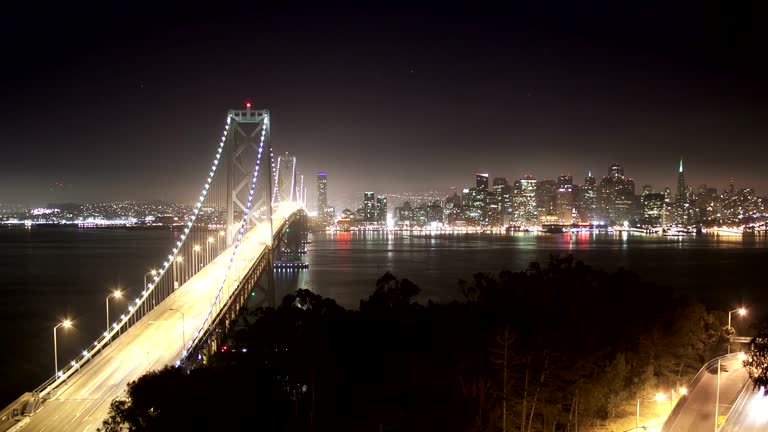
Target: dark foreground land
pixel 546 348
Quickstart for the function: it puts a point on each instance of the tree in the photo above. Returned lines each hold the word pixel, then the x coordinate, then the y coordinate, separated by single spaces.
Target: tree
pixel 757 360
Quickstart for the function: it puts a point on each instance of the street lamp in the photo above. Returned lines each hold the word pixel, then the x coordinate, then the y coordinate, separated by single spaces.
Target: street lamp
pixel 183 338
pixel 742 311
pixel 146 287
pixel 177 272
pixel 658 397
pixel 196 259
pixel 66 324
pixel 116 294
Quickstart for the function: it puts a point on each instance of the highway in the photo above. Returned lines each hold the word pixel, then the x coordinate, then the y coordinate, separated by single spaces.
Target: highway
pixel 81 403
pixel 696 411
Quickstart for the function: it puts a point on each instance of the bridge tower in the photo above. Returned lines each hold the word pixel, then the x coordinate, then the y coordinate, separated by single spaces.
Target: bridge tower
pixel 242 144
pixel 285 179
pixel 242 150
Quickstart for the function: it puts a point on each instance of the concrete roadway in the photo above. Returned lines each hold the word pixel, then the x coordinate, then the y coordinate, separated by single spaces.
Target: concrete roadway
pixel 153 342
pixel 698 410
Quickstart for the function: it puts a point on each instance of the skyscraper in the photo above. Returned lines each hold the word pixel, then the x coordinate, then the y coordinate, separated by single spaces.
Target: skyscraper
pixel 682 204
pixel 564 199
pixel 322 192
pixel 503 196
pixel 482 182
pixel 381 210
pixel 682 195
pixel 616 200
pixel 587 203
pixel 524 202
pixel 369 207
pixel 616 172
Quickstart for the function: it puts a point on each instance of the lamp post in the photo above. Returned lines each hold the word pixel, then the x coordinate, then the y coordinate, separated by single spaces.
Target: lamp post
pixel 66 324
pixel 742 311
pixel 657 397
pixel 116 294
pixel 196 258
pixel 177 272
pixel 183 338
pixel 146 287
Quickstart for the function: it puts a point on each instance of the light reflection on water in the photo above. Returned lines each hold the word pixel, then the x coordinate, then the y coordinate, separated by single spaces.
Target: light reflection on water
pixel 345 265
pixel 46 274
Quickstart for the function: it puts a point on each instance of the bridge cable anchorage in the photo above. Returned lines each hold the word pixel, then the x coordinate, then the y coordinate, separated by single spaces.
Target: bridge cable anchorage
pixel 212 312
pixel 52 383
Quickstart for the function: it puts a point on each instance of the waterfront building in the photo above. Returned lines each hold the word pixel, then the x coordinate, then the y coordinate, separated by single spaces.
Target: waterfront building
pixel 380 214
pixel 452 209
pixel 524 209
pixel 434 212
pixel 503 191
pixel 587 200
pixel 682 213
pixel 616 199
pixel 653 209
pixel 369 207
pixel 546 199
pixel 325 213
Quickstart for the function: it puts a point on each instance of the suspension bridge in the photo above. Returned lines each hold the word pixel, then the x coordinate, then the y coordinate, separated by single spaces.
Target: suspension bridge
pixel 235 236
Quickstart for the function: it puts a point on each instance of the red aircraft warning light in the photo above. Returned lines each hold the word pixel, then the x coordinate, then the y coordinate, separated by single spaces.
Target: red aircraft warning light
pixel 247 104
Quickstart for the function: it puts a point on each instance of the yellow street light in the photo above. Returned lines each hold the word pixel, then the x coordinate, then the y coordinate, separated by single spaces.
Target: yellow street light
pixel 741 311
pixel 66 324
pixel 658 397
pixel 116 294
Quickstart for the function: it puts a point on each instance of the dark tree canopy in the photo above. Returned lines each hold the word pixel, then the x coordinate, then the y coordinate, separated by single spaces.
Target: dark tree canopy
pixel 528 348
pixel 757 359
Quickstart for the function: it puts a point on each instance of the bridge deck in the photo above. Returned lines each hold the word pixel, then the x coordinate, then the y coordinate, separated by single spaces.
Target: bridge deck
pixel 153 342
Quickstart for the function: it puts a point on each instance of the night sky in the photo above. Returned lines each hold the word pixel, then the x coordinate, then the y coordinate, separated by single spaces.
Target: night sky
pixel 127 101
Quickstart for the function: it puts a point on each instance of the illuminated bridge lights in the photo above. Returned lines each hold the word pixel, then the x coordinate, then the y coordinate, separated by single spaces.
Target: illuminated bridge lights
pixel 290 265
pixel 240 234
pixel 166 264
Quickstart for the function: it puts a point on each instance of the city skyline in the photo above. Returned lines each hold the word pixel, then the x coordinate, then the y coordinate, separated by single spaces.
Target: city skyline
pixel 336 198
pixel 131 101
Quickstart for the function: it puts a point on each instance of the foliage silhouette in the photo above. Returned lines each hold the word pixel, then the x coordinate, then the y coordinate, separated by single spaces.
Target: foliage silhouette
pixel 530 350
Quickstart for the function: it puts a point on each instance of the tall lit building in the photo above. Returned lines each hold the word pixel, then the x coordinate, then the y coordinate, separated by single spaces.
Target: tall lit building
pixel 503 193
pixel 587 202
pixel 616 172
pixel 682 194
pixel 322 192
pixel 653 209
pixel 682 203
pixel 524 211
pixel 481 181
pixel 369 207
pixel 546 198
pixel 564 199
pixel 381 210
pixel 616 199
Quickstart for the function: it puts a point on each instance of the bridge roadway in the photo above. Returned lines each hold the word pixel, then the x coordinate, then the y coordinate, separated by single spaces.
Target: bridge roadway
pixel 153 342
